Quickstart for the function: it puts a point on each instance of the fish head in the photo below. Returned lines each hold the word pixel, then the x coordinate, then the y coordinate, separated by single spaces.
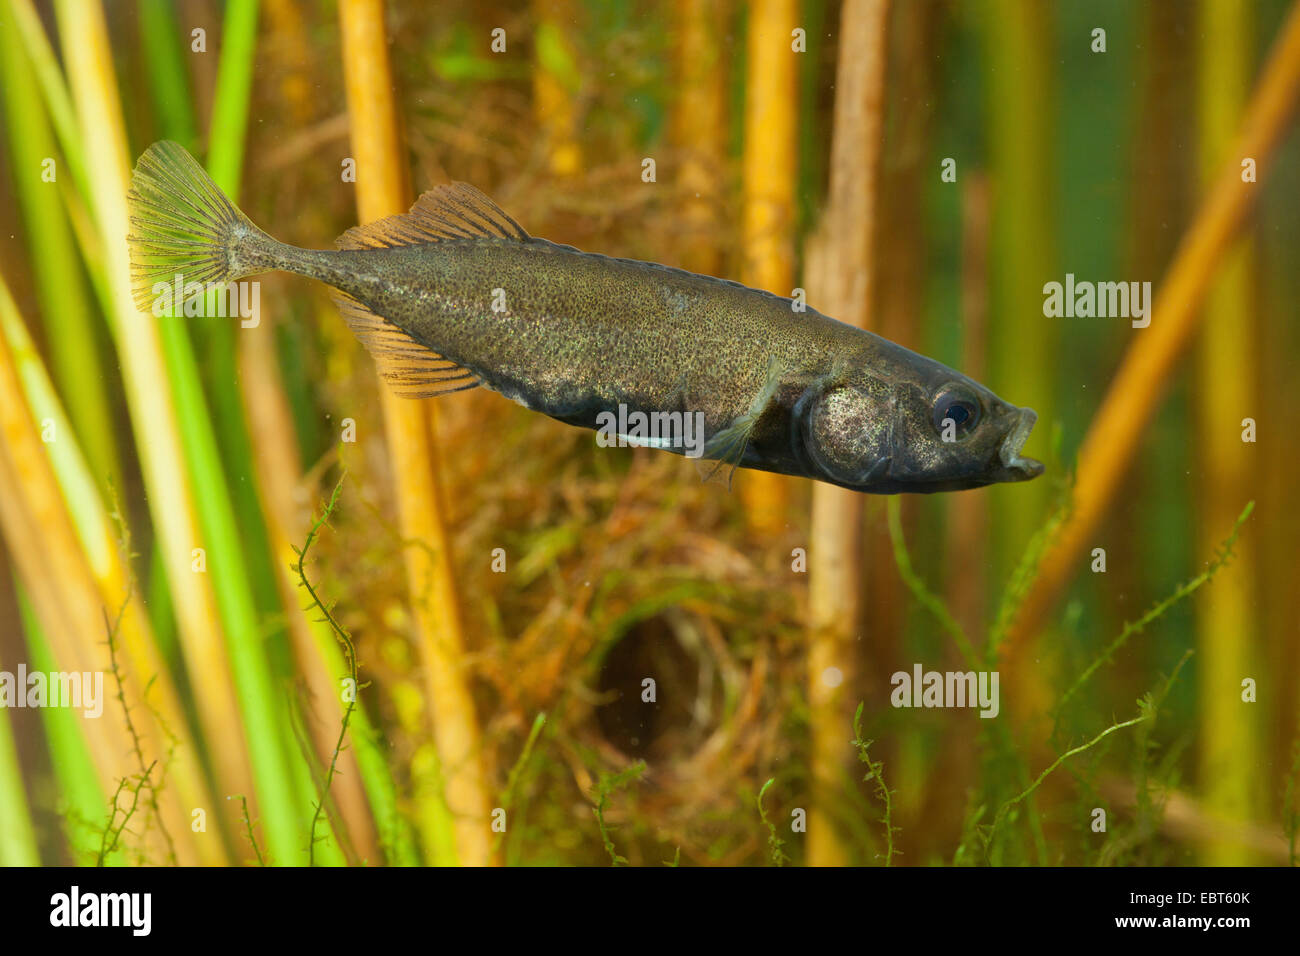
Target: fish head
pixel 910 424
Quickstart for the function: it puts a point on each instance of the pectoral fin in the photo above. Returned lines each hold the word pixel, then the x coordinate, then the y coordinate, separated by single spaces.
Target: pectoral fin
pixel 727 446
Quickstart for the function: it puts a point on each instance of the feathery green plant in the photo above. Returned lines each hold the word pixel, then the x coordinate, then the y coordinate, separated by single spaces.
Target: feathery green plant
pixel 247 821
pixel 114 828
pixel 876 772
pixel 1148 707
pixel 607 785
pixel 353 689
pixel 1157 610
pixel 516 773
pixel 775 845
pixel 1000 749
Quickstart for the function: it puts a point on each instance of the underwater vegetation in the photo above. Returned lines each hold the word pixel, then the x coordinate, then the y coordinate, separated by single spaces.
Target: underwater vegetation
pixel 257 608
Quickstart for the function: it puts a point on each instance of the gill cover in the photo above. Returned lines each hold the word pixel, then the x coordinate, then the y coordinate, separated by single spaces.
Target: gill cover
pixel 847 429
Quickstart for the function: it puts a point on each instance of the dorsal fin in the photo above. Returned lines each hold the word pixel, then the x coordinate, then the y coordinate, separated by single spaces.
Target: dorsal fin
pixel 412 370
pixel 455 211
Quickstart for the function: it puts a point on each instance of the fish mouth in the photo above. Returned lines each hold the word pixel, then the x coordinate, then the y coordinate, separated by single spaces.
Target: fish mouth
pixel 1020 467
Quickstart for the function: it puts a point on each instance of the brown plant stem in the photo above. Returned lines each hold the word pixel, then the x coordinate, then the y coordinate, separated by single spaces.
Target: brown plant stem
pixel 841 273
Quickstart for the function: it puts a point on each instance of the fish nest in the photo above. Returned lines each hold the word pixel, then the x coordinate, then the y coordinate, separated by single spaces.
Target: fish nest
pixel 619 565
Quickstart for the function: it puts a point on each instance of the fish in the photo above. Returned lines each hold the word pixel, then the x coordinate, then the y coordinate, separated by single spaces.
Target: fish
pixel 455 295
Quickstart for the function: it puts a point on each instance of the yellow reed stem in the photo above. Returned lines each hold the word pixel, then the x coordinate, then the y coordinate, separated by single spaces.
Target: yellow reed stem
pixel 770 173
pixel 699 127
pixel 1229 733
pixel 1022 351
pixel 291 49
pixel 383 190
pixel 556 79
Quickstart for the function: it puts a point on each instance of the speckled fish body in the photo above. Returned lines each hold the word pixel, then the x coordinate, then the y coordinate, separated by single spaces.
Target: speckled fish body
pixel 456 294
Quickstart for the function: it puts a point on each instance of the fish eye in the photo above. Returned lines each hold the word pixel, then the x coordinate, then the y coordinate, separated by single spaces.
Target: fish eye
pixel 959 406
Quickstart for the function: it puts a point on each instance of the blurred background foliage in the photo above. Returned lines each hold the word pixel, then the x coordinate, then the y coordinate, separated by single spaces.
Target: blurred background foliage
pixel 128 442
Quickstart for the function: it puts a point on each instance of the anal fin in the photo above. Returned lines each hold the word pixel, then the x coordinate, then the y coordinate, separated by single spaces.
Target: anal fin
pixel 410 369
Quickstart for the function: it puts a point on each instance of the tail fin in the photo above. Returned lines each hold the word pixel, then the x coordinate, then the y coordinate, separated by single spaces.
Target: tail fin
pixel 182 223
